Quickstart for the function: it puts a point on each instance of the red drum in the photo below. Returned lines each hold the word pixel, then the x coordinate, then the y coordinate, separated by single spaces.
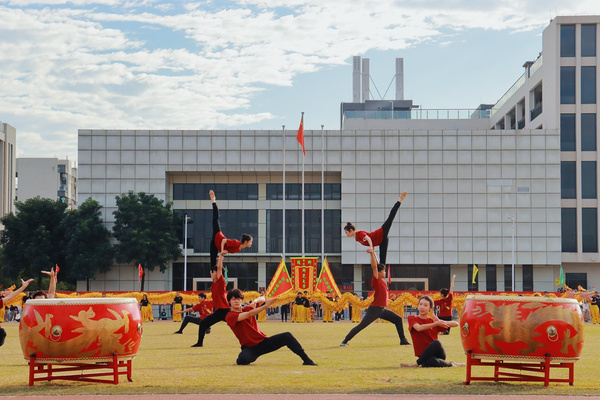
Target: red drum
pixel 522 328
pixel 80 329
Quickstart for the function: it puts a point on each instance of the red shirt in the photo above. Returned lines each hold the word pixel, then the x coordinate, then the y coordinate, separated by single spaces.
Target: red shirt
pixel 445 306
pixel 376 237
pixel 380 287
pixel 218 290
pixel 204 308
pixel 246 331
pixel 231 245
pixel 422 339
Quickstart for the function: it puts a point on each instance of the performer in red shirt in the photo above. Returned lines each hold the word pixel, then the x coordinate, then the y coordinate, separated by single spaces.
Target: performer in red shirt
pixel 218 291
pixel 377 308
pixel 378 237
pixel 219 243
pixel 424 332
pixel 203 308
pixel 242 322
pixel 8 298
pixel 445 304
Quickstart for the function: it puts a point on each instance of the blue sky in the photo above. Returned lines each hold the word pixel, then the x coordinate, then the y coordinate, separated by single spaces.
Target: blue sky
pixel 248 64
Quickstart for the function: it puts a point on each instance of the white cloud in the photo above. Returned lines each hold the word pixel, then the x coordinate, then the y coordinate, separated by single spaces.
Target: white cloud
pixel 155 64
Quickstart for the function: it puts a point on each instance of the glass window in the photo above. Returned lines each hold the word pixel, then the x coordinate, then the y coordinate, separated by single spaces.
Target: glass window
pixel 576 279
pixel 312 191
pixel 223 191
pixel 567 132
pixel 527 277
pixel 312 231
pixel 589 230
pixel 588 179
pixel 588 40
pixel 568 226
pixel 490 278
pixel 588 85
pixel 508 277
pixel 567 85
pixel 588 132
pixel 567 180
pixel 567 40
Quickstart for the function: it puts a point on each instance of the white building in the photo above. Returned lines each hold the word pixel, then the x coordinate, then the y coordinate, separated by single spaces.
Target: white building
pixel 466 175
pixel 8 141
pixel 50 178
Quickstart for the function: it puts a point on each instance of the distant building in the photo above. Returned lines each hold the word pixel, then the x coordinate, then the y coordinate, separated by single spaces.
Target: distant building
pixel 511 188
pixel 8 141
pixel 50 178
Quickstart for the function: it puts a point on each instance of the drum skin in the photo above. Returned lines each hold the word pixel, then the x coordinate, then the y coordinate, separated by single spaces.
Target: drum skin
pixel 80 329
pixel 522 328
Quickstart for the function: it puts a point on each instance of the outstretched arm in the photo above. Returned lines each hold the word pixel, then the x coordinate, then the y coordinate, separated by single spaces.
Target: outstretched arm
pixel 220 265
pixel 248 314
pixel 374 262
pixel 14 293
pixel 452 284
pixel 52 286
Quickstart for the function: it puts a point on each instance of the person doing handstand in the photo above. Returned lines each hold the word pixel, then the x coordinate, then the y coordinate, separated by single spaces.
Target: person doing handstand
pixel 378 237
pixel 219 243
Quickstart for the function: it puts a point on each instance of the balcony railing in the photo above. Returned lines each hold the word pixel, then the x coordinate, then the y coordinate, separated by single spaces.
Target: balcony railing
pixel 537 110
pixel 418 114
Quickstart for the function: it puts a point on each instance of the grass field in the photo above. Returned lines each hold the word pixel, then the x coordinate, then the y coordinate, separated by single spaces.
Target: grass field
pixel 371 364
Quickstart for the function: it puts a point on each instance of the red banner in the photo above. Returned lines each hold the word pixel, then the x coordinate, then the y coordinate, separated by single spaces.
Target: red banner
pixel 281 282
pixel 304 273
pixel 326 282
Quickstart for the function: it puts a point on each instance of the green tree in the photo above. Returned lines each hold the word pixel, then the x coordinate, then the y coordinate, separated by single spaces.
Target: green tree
pixel 88 247
pixel 146 232
pixel 33 238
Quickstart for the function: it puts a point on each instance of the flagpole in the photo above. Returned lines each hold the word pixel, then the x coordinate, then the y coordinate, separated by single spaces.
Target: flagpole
pixel 322 196
pixel 283 218
pixel 302 238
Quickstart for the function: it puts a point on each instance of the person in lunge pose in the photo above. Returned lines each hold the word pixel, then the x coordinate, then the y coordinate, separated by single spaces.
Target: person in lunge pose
pixel 218 289
pixel 378 237
pixel 219 243
pixel 377 308
pixel 242 322
pixel 424 332
pixel 204 308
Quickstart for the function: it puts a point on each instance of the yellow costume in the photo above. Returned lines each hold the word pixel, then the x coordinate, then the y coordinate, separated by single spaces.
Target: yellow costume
pixel 177 307
pixel 595 313
pixel 356 314
pixel 262 316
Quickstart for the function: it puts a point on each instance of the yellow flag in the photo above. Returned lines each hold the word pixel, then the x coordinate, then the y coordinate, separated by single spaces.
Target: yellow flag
pixel 475 269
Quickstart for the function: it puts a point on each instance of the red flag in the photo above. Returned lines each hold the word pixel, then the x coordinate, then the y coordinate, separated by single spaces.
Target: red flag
pixel 326 282
pixel 56 273
pixel 281 282
pixel 300 136
pixel 141 272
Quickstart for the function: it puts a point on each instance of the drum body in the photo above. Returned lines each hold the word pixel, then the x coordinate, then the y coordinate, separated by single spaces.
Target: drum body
pixel 522 328
pixel 80 329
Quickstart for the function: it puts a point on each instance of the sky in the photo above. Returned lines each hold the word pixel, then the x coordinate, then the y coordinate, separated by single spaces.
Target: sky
pixel 249 64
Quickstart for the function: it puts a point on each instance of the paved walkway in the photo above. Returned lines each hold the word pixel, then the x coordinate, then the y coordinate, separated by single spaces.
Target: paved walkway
pixel 298 397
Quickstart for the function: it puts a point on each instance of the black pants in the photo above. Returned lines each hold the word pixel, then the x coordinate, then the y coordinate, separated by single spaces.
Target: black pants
pixel 190 320
pixel 216 229
pixel 433 356
pixel 386 229
pixel 275 342
pixel 284 314
pixel 371 315
pixel 217 316
pixel 448 318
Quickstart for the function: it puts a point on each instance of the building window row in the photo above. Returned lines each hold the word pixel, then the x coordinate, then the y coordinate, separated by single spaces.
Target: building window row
pixel 568 93
pixel 223 191
pixel 589 230
pixel 568 47
pixel 568 176
pixel 568 129
pixel 312 191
